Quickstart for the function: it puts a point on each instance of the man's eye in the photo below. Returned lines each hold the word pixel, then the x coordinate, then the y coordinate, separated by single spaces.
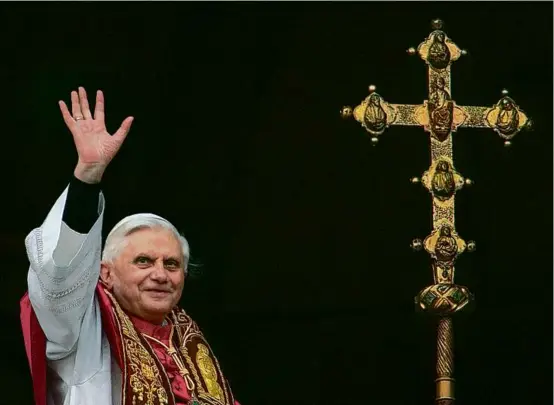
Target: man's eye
pixel 172 263
pixel 142 260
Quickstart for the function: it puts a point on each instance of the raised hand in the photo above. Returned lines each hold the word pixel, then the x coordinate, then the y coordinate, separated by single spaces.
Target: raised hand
pixel 95 146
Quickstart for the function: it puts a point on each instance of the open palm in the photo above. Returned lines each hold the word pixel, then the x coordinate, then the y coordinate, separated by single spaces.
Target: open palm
pixel 95 146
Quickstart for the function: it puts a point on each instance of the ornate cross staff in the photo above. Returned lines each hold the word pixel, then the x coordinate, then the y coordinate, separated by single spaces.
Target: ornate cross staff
pixel 441 116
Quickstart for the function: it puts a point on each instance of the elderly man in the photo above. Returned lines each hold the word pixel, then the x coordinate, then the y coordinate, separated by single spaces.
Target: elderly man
pixel 106 330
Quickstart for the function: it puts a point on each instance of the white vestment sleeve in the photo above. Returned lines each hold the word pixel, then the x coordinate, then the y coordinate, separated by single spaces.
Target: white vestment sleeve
pixel 63 274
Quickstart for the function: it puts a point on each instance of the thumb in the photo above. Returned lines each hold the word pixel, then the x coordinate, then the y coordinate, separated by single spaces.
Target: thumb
pixel 123 130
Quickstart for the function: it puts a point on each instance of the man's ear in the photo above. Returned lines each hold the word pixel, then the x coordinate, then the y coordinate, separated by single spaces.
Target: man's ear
pixel 106 274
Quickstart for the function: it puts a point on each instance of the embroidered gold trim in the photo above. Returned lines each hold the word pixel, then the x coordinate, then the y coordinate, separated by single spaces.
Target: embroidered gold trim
pixel 162 369
pixel 211 385
pixel 209 372
pixel 145 379
pixel 124 354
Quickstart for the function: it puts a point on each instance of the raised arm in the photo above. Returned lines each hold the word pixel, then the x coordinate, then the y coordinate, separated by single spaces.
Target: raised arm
pixel 64 252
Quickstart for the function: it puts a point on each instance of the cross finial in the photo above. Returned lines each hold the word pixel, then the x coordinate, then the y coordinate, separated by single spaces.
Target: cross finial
pixel 441 116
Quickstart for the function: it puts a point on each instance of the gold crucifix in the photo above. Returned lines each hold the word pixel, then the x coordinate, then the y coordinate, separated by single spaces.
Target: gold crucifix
pixel 441 116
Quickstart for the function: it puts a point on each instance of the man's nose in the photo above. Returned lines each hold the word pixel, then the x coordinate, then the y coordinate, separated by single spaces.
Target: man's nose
pixel 158 272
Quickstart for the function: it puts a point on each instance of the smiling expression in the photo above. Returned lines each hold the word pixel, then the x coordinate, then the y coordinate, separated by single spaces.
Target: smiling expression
pixel 147 277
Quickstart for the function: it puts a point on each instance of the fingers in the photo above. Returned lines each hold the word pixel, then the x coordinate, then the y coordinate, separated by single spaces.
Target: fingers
pixel 69 121
pixel 81 110
pixel 85 109
pixel 75 106
pixel 99 107
pixel 123 129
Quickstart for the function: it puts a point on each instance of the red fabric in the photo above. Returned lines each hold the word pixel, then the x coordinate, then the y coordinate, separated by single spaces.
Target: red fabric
pixel 109 325
pixel 161 333
pixel 35 346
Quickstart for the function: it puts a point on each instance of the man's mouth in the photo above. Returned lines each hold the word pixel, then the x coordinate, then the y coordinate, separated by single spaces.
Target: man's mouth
pixel 155 291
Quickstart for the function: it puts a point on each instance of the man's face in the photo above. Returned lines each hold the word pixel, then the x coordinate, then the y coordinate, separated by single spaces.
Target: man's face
pixel 147 277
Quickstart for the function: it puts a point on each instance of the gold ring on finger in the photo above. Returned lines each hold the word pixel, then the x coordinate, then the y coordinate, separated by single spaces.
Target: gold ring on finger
pixel 79 117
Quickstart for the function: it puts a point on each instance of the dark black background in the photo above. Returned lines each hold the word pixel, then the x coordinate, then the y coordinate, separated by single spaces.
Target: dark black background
pixel 302 226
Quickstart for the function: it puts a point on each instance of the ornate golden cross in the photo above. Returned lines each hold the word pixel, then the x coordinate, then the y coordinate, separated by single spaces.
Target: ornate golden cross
pixel 441 116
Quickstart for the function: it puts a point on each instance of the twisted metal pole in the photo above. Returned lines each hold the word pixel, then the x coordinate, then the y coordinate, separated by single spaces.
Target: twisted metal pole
pixel 445 362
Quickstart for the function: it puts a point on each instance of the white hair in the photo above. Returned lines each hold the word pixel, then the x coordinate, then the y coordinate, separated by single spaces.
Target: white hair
pixel 117 238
